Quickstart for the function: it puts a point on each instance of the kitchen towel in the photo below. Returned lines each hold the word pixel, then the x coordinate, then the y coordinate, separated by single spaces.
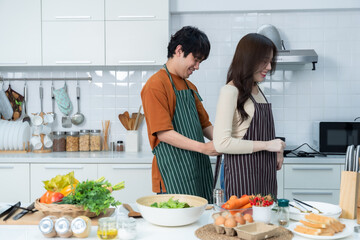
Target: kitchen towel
pixel 63 101
pixel 16 100
pixel 5 107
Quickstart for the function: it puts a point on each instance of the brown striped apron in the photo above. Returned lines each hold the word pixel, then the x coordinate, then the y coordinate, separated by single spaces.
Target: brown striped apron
pixel 253 173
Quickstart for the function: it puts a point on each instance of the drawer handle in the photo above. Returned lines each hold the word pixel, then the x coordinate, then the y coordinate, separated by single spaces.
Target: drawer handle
pixel 305 169
pixel 72 62
pixel 132 167
pixel 312 193
pixel 19 62
pixel 51 167
pixel 137 62
pixel 6 167
pixel 73 17
pixel 137 17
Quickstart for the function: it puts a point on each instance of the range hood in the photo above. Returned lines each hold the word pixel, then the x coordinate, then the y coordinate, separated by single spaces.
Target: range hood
pixel 298 56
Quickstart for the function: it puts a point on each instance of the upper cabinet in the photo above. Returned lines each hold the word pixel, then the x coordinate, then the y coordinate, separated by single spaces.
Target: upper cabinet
pixel 20 41
pixel 137 32
pixel 73 32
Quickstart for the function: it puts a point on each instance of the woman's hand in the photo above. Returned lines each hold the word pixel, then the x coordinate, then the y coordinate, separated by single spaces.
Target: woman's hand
pixel 280 160
pixel 275 145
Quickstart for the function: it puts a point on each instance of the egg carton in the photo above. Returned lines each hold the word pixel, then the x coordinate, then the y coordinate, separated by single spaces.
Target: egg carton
pixel 229 231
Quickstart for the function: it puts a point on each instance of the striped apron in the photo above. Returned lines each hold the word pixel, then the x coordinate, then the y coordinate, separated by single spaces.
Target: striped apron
pixel 253 173
pixel 183 171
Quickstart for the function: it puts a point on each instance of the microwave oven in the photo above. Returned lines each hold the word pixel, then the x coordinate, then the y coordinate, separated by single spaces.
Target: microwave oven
pixel 335 137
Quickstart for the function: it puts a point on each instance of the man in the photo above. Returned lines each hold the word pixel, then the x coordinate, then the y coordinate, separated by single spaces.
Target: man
pixel 177 121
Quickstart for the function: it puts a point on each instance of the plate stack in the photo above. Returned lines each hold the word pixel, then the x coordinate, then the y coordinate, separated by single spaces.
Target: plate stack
pixel 327 209
pixel 14 136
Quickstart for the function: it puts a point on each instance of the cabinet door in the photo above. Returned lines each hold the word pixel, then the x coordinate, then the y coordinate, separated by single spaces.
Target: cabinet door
pixel 329 196
pixel 136 42
pixel 14 183
pixel 137 179
pixel 20 41
pixel 137 10
pixel 73 43
pixel 68 10
pixel 280 182
pixel 42 172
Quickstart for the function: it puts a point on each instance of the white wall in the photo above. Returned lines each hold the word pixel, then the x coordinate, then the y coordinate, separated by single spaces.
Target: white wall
pixel 300 97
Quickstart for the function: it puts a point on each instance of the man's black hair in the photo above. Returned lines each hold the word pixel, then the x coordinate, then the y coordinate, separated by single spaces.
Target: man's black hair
pixel 192 41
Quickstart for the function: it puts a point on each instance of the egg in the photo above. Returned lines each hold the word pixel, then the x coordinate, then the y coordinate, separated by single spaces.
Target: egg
pixel 248 218
pixel 240 219
pixel 220 220
pixel 230 223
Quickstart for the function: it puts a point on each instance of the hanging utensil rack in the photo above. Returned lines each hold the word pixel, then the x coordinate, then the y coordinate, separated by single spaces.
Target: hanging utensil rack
pixel 47 79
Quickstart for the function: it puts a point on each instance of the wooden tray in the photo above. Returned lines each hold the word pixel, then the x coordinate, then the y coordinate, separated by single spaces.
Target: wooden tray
pixel 34 218
pixel 208 232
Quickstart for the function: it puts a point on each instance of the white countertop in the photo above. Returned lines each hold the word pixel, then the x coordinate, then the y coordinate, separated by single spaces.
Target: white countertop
pixel 136 158
pixel 145 230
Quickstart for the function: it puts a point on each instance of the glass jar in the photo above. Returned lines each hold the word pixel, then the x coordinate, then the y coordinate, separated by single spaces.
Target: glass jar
pixel 218 195
pixel 126 228
pixel 107 228
pixel 283 212
pixel 47 226
pixel 95 140
pixel 72 141
pixel 120 146
pixel 84 141
pixel 63 227
pixel 59 141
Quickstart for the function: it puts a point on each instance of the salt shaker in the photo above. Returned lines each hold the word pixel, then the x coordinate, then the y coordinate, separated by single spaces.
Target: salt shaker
pixel 283 212
pixel 218 195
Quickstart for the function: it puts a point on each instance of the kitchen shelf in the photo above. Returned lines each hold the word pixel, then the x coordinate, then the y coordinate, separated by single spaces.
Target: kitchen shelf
pixel 47 79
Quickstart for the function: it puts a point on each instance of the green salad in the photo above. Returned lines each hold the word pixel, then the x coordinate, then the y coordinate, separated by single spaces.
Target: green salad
pixel 171 203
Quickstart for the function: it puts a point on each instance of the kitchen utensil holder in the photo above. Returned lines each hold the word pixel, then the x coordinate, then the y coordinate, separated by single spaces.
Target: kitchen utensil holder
pixel 349 189
pixel 132 141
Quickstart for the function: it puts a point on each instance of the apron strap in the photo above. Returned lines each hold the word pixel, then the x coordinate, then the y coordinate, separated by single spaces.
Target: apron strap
pixel 217 169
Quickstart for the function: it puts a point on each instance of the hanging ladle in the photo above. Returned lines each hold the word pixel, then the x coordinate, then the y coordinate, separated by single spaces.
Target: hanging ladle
pixel 78 117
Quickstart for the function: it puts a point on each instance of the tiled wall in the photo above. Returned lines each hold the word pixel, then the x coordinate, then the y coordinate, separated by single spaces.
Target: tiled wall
pixel 300 97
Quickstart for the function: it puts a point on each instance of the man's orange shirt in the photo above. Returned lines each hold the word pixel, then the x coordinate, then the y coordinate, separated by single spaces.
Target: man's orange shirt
pixel 159 100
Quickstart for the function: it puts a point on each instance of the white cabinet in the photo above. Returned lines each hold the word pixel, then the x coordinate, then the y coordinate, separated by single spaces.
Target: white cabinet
pixel 137 179
pixel 136 35
pixel 14 183
pixel 20 41
pixel 280 182
pixel 73 43
pixel 42 172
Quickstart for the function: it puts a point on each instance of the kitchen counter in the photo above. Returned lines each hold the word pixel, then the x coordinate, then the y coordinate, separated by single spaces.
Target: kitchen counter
pixel 139 157
pixel 146 231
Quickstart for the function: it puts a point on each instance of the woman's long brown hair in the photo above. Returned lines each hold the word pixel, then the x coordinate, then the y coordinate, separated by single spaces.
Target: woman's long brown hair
pixel 250 54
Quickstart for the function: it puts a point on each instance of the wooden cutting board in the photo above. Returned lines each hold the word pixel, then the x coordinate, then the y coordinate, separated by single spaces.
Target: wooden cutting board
pixel 34 218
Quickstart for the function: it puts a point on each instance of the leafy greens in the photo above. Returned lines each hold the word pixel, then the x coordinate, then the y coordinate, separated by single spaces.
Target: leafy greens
pixel 170 204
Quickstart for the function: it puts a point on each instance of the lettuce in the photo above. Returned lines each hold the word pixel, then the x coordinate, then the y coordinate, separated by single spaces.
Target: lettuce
pixel 170 204
pixel 57 183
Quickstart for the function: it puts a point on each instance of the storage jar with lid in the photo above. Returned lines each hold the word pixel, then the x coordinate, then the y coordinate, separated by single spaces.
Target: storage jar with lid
pixel 59 141
pixel 120 146
pixel 283 212
pixel 107 228
pixel 84 140
pixel 95 140
pixel 72 141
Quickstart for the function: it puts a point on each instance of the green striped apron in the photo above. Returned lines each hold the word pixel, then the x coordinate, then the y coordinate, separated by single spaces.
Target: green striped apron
pixel 183 171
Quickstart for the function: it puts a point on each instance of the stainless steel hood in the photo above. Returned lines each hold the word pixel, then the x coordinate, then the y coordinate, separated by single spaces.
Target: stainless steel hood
pixel 292 57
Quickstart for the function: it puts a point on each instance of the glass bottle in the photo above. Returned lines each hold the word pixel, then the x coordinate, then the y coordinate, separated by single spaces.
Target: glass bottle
pixel 283 212
pixel 218 195
pixel 120 146
pixel 95 140
pixel 59 142
pixel 84 141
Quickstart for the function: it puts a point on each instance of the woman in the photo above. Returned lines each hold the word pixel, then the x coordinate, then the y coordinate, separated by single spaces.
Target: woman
pixel 244 127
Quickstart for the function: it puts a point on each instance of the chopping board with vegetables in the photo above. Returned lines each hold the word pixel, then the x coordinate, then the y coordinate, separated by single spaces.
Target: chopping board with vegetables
pixel 34 218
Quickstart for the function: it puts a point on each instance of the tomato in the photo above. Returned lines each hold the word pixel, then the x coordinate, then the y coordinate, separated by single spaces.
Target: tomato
pixel 50 197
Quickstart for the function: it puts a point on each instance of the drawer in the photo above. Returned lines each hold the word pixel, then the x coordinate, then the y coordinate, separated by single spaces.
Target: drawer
pixel 14 182
pixel 312 176
pixel 329 196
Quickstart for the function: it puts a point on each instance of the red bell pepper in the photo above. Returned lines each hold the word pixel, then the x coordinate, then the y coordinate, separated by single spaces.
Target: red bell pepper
pixel 50 197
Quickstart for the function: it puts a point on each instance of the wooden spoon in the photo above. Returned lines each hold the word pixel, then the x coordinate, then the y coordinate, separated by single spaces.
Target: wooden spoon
pixel 132 213
pixel 124 121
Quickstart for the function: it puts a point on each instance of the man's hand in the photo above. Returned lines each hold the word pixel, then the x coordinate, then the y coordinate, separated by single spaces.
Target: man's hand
pixel 209 149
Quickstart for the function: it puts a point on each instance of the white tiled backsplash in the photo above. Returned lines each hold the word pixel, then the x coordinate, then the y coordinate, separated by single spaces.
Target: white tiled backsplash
pixel 300 97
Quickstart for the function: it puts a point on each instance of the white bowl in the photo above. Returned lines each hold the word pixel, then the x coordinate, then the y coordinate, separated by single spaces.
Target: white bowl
pixel 329 210
pixel 171 217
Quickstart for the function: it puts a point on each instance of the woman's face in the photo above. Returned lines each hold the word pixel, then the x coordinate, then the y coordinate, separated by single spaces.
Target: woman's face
pixel 263 69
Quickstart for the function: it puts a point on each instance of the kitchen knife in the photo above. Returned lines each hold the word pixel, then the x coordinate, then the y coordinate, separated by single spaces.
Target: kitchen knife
pixel 11 210
pixel 7 211
pixel 22 213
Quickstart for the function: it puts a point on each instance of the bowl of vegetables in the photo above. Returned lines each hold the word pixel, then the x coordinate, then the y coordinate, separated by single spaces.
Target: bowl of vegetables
pixel 171 209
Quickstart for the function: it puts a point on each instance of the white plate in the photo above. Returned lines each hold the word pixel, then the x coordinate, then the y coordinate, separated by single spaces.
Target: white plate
pixel 16 135
pixel 6 134
pixel 10 136
pixel 345 233
pixel 24 135
pixel 328 209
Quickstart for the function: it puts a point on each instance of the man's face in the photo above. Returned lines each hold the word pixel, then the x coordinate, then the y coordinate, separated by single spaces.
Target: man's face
pixel 187 65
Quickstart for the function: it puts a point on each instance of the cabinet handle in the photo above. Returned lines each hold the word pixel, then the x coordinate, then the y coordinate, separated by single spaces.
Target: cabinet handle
pixel 126 166
pixel 53 167
pixel 73 62
pixel 6 167
pixel 306 169
pixel 312 193
pixel 137 17
pixel 137 62
pixel 73 17
pixel 19 62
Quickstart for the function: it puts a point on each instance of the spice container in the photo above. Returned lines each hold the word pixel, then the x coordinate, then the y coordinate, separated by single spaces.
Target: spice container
pixel 95 140
pixel 120 146
pixel 84 141
pixel 218 195
pixel 72 141
pixel 127 228
pixel 59 141
pixel 81 227
pixel 63 227
pixel 283 212
pixel 47 226
pixel 107 228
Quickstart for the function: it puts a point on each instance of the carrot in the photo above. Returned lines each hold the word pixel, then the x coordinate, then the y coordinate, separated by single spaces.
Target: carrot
pixel 248 205
pixel 238 202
